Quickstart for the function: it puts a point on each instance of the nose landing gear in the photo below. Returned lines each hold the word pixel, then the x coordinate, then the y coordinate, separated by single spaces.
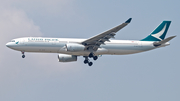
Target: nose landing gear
pixel 23 56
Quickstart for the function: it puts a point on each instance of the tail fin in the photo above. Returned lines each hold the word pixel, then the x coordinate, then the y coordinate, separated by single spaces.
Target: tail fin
pixel 159 33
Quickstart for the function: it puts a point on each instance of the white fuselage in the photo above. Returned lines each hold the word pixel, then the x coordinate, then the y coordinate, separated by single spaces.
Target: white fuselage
pixel 57 45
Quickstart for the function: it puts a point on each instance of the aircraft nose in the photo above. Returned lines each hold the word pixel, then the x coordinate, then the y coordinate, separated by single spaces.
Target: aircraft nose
pixel 9 44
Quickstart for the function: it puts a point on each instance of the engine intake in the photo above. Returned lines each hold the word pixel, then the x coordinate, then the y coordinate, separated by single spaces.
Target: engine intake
pixel 74 47
pixel 66 58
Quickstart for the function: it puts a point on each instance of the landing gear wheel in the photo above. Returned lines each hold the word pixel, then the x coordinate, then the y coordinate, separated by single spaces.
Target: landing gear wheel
pixel 90 63
pixel 91 55
pixel 95 57
pixel 85 61
pixel 23 56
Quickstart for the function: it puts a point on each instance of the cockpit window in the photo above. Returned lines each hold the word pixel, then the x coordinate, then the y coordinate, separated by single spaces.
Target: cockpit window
pixel 12 40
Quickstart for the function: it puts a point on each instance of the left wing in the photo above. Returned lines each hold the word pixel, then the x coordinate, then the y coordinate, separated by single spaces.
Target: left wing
pixel 96 41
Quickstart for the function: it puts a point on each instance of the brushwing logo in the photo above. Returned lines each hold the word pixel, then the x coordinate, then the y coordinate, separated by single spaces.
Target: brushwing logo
pixel 17 42
pixel 159 34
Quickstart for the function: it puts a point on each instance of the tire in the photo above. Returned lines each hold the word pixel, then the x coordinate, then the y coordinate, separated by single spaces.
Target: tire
pixel 90 63
pixel 91 55
pixel 95 57
pixel 23 56
pixel 85 61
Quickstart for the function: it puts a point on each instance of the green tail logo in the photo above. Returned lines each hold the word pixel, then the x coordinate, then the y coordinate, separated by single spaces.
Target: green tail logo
pixel 159 33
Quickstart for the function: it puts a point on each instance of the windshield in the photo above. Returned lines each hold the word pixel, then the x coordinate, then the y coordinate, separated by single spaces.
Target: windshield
pixel 12 40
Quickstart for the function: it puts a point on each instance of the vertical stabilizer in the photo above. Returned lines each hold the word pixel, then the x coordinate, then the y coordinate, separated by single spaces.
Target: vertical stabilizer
pixel 159 33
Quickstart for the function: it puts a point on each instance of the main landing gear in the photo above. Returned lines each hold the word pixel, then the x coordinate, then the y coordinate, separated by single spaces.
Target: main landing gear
pixel 23 56
pixel 87 61
pixel 91 55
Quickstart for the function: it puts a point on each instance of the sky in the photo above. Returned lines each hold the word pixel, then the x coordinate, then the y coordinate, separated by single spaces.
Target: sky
pixel 148 76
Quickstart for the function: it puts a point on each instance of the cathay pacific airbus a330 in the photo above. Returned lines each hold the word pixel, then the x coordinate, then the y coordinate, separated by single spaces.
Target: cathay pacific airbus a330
pixel 70 48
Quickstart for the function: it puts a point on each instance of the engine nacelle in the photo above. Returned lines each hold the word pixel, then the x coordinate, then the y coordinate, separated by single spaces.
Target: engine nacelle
pixel 66 58
pixel 74 47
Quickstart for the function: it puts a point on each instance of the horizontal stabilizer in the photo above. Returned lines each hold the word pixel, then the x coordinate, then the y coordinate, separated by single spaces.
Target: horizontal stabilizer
pixel 163 41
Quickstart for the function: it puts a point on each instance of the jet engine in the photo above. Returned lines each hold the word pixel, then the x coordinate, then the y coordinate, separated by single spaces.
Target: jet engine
pixel 66 58
pixel 74 47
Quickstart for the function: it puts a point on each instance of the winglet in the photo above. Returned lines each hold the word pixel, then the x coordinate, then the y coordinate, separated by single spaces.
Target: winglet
pixel 129 20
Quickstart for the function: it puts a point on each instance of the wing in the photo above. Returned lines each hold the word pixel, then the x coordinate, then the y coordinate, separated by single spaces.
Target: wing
pixel 96 41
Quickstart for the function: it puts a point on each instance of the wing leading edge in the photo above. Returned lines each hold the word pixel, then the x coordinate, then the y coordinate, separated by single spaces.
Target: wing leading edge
pixel 96 41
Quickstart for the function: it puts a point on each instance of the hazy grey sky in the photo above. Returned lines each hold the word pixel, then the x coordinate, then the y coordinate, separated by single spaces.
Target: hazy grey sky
pixel 148 76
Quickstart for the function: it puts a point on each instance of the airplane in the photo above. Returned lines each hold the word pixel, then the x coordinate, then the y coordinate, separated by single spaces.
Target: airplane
pixel 69 49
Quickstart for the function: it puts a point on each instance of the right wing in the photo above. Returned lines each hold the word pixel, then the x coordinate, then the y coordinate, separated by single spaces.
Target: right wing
pixel 96 41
